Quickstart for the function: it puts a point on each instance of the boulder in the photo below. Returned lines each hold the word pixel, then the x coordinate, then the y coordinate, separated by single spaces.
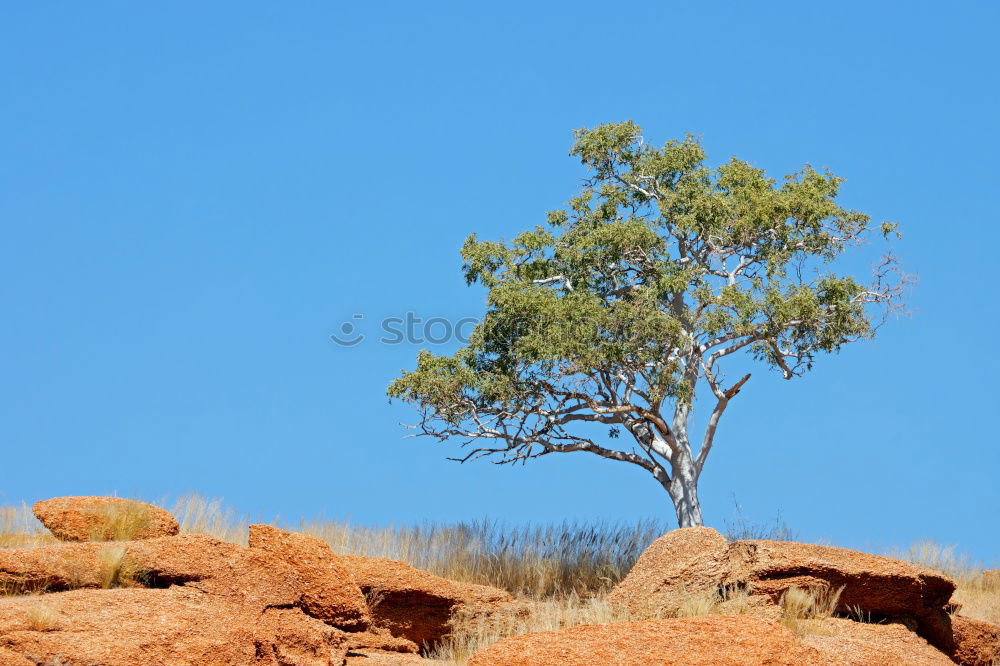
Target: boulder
pixel 881 587
pixel 680 564
pixel 180 625
pixel 288 636
pixel 380 640
pixel 380 658
pixel 11 658
pixel 708 640
pixel 330 592
pixel 697 560
pixel 415 604
pixel 977 643
pixel 60 566
pixel 104 519
pixel 848 643
pixel 243 575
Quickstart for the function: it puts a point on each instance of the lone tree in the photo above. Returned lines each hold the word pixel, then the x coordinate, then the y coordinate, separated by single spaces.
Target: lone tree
pixel 626 306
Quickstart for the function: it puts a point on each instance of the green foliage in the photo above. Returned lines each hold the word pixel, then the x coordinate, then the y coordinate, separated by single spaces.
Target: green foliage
pixel 628 296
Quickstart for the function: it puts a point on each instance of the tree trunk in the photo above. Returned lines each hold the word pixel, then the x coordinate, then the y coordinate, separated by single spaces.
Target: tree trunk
pixel 684 492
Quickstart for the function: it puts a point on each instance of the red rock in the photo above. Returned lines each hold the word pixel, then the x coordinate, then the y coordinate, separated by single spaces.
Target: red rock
pixel 104 519
pixel 844 642
pixel 287 636
pixel 977 643
pixel 682 563
pixel 708 640
pixel 876 585
pixel 11 658
pixel 60 566
pixel 379 658
pixel 180 625
pixel 379 639
pixel 414 604
pixel 243 575
pixel 330 592
pixel 697 560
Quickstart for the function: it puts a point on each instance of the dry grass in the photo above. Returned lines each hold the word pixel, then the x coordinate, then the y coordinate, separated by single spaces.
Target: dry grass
pixel 19 527
pixel 730 600
pixel 560 573
pixel 527 616
pixel 115 568
pixel 476 632
pixel 804 609
pixel 537 561
pixel 19 588
pixel 119 522
pixel 198 515
pixel 979 598
pixel 42 618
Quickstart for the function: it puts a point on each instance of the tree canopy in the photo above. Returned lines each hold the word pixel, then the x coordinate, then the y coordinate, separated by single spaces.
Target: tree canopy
pixel 627 301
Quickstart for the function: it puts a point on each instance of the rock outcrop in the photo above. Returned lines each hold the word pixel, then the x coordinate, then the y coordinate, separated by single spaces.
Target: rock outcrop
pixel 287 599
pixel 682 563
pixel 849 643
pixel 697 560
pixel 181 625
pixel 330 592
pixel 882 587
pixel 976 643
pixel 104 519
pixel 415 604
pixel 709 640
pixel 284 599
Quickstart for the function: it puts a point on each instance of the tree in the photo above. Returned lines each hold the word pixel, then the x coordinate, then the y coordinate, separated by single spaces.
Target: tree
pixel 621 312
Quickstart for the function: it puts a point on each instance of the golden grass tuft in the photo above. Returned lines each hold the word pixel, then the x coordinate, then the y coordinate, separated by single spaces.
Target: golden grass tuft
pixel 475 632
pixel 42 618
pixel 978 596
pixel 198 515
pixel 115 568
pixel 119 522
pixel 803 609
pixel 19 527
pixel 728 600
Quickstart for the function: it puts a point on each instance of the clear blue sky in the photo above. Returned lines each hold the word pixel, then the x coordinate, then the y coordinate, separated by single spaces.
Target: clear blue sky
pixel 195 195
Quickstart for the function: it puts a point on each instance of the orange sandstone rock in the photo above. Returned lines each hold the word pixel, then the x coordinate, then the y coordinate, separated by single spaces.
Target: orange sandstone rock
pixel 977 643
pixel 682 563
pixel 104 519
pixel 415 604
pixel 330 592
pixel 180 625
pixel 847 643
pixel 708 640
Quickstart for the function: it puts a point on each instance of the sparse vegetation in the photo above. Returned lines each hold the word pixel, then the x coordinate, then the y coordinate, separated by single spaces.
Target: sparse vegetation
pixel 729 600
pixel 978 598
pixel 18 527
pixel 802 608
pixel 538 561
pixel 42 618
pixel 115 568
pixel 119 522
pixel 560 574
pixel 551 614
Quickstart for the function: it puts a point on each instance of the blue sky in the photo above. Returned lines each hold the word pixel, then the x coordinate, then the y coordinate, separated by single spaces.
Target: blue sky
pixel 194 196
